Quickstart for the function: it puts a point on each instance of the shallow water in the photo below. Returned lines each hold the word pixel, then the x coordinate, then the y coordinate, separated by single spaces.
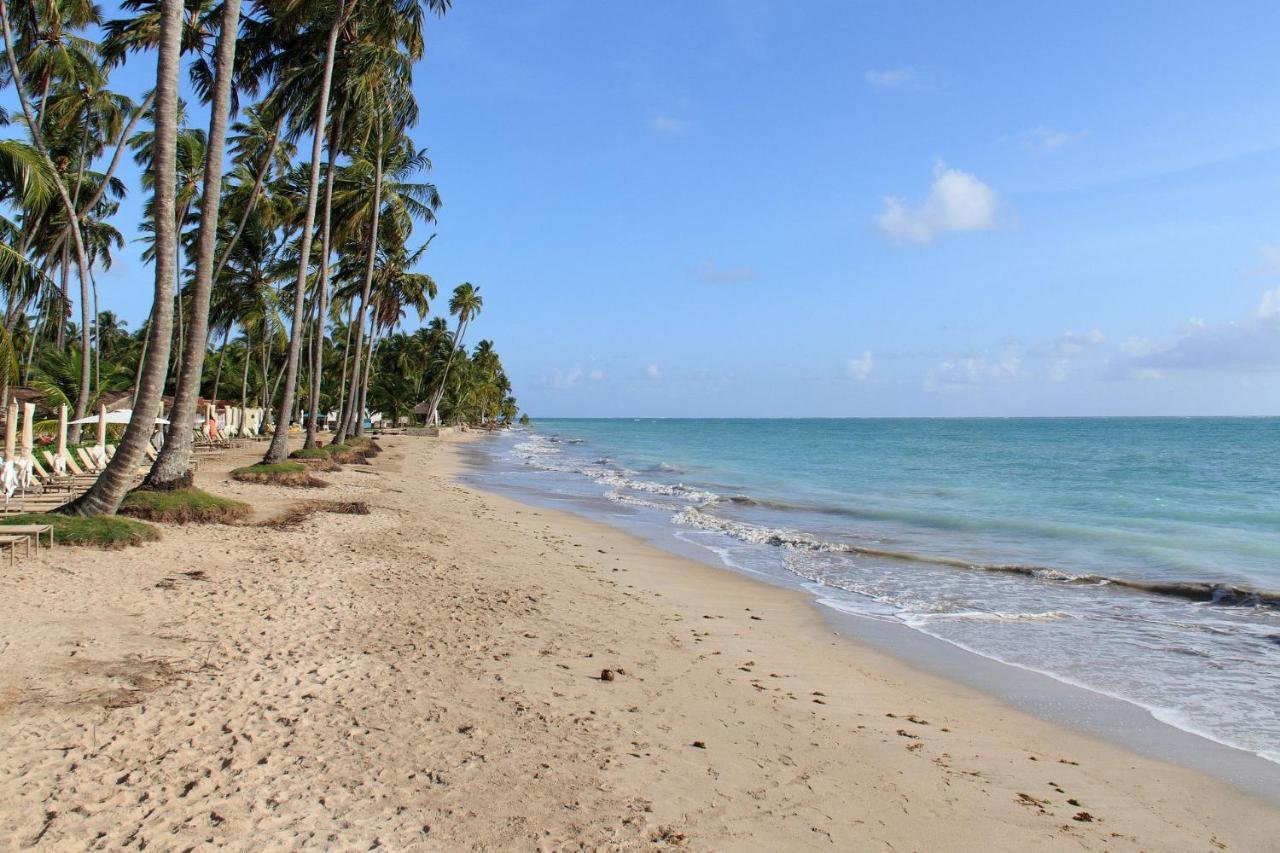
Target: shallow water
pixel 1139 558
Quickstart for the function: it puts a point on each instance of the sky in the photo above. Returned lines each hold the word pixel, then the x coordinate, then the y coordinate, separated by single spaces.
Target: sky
pixel 834 208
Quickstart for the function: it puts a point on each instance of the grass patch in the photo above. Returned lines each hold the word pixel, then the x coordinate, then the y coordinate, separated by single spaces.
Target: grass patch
pixel 299 513
pixel 107 531
pixel 345 453
pixel 318 458
pixel 182 506
pixel 278 474
pixel 364 444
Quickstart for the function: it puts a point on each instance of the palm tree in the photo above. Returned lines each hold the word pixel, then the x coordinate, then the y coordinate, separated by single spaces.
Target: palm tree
pixel 403 201
pixel 255 142
pixel 403 20
pixel 465 303
pixel 34 126
pixel 279 447
pixel 106 493
pixel 171 468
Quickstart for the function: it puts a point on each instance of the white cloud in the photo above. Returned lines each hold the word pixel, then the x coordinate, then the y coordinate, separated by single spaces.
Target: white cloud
pixel 571 378
pixel 1136 346
pixel 957 201
pixel 1249 344
pixel 859 368
pixel 889 78
pixel 1269 307
pixel 1074 343
pixel 1049 139
pixel 1270 259
pixel 975 371
pixel 709 273
pixel 667 124
pixel 1063 350
pixel 653 371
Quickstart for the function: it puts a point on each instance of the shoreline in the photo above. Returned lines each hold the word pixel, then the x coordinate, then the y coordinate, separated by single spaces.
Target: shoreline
pixel 1152 730
pixel 927 674
pixel 429 676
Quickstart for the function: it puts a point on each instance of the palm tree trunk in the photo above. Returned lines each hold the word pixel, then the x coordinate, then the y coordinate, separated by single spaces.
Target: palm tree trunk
pixel 244 375
pixel 37 136
pixel 172 466
pixel 59 333
pixel 364 384
pixel 86 364
pixel 279 448
pixel 258 180
pixel 106 493
pixel 121 141
pixel 177 304
pixel 435 400
pixel 222 357
pixel 370 256
pixel 142 358
pixel 266 401
pixel 342 388
pixel 31 349
pixel 97 338
pixel 322 284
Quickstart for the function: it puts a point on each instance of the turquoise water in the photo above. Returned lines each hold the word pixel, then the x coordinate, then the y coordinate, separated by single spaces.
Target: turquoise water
pixel 1137 557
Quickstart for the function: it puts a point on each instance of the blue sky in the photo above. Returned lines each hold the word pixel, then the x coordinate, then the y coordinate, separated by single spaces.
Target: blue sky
pixel 745 207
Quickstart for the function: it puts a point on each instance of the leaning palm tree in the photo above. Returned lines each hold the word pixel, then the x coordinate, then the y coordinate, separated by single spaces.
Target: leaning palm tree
pixel 106 493
pixel 64 195
pixel 172 466
pixel 465 303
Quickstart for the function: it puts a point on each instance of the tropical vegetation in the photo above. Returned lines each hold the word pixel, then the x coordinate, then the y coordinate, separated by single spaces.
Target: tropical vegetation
pixel 285 235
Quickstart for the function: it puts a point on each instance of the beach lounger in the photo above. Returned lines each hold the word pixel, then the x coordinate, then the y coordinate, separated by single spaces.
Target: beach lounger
pixel 74 471
pixel 13 542
pixel 88 461
pixel 31 531
pixel 50 481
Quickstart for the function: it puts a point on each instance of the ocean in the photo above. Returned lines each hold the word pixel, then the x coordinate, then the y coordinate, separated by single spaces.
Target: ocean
pixel 1135 557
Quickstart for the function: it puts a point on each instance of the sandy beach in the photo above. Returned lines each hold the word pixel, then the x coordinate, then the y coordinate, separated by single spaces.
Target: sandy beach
pixel 455 670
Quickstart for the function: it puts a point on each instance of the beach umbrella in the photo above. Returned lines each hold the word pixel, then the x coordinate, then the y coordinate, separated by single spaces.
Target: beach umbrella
pixel 11 431
pixel 102 425
pixel 119 416
pixel 28 431
pixel 62 432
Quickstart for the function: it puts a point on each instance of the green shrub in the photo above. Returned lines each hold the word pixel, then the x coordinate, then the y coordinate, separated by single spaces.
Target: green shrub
pixel 278 474
pixel 183 505
pixel 105 531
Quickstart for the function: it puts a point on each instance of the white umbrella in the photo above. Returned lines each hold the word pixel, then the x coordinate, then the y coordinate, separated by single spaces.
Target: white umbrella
pixel 28 430
pixel 119 416
pixel 62 432
pixel 11 431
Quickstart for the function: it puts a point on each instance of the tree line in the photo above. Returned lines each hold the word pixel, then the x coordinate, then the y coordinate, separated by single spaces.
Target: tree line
pixel 281 236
